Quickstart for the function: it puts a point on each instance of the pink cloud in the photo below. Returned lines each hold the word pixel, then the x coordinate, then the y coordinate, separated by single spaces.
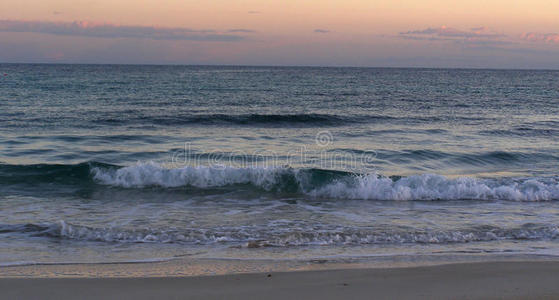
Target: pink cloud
pixel 478 35
pixel 541 37
pixel 444 31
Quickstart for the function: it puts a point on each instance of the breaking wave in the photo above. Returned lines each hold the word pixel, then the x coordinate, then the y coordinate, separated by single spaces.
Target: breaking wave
pixel 334 184
pixel 263 237
pixel 316 183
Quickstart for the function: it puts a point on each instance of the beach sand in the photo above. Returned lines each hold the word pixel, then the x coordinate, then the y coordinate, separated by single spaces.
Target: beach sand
pixel 488 280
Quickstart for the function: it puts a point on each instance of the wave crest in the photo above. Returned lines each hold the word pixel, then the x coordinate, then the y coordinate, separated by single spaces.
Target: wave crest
pixel 152 174
pixel 332 184
pixel 437 187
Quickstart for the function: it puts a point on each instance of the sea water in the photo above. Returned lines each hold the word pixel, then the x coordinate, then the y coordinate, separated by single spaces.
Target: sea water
pixel 109 163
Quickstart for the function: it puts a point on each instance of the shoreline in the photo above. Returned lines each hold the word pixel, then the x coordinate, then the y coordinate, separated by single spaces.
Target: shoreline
pixel 517 280
pixel 198 267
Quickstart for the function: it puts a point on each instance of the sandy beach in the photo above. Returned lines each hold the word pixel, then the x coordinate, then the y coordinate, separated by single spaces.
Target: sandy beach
pixel 497 280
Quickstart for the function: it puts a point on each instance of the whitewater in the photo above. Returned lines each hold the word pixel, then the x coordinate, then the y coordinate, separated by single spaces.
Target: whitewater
pixel 349 186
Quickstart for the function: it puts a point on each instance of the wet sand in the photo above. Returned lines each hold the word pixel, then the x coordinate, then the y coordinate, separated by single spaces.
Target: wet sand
pixel 509 280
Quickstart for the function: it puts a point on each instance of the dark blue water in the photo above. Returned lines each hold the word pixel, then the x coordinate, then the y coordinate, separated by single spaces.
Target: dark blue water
pixel 115 163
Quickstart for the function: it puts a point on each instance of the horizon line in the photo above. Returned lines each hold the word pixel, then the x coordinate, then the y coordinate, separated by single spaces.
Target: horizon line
pixel 279 66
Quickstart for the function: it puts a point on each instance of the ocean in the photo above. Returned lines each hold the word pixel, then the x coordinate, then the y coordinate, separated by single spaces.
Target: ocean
pixel 125 163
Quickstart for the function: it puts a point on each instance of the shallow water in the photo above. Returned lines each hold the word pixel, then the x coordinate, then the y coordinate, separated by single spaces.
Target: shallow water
pixel 127 163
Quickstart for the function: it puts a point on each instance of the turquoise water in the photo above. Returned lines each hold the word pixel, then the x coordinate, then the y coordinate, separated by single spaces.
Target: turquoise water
pixel 102 163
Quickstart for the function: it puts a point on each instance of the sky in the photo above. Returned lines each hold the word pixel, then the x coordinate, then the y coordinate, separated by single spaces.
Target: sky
pixel 363 33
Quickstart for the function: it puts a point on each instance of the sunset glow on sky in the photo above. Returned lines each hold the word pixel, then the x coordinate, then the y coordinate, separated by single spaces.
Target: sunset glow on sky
pixel 399 33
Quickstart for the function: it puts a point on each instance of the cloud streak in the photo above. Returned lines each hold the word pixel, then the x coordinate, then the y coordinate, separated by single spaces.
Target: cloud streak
pixel 321 31
pixel 105 30
pixel 241 30
pixel 478 35
pixel 449 32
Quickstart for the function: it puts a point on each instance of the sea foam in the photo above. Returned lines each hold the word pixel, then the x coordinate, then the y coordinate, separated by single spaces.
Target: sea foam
pixel 279 237
pixel 332 185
